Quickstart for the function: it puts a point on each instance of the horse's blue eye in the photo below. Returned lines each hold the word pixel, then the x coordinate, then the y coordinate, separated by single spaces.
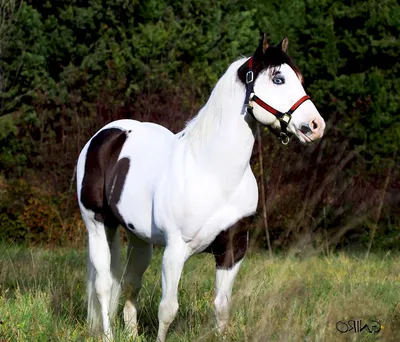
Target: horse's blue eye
pixel 278 80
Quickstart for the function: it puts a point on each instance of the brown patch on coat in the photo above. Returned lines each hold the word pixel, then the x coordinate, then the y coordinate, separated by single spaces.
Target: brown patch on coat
pixel 105 176
pixel 230 246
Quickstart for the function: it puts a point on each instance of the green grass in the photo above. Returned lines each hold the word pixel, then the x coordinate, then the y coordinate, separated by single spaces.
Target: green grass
pixel 42 297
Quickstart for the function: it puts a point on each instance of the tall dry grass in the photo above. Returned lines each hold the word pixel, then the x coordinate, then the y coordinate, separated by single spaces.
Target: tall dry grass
pixel 292 297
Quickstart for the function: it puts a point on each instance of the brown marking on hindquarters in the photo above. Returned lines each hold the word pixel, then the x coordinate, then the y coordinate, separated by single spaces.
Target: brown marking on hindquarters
pixel 105 175
pixel 115 181
pixel 229 246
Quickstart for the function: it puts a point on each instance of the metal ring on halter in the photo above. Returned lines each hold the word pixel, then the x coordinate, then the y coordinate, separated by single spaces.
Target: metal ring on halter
pixel 284 138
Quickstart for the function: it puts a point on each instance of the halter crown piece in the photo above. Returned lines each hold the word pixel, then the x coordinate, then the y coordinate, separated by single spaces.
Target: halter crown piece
pixel 284 118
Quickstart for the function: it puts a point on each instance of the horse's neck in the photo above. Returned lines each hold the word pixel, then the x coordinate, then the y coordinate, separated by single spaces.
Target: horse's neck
pixel 219 137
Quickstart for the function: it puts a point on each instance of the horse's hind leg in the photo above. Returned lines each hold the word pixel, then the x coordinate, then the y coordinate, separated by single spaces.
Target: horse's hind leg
pixel 100 277
pixel 99 186
pixel 139 256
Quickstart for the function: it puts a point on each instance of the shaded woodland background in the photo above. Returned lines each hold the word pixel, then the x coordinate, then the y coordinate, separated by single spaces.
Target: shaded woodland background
pixel 69 67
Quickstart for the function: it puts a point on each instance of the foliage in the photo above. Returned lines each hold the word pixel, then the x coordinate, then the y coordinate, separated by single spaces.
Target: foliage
pixel 29 214
pixel 69 67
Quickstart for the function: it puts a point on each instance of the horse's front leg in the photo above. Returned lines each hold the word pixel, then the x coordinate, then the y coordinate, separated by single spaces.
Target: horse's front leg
pixel 223 288
pixel 175 255
pixel 229 249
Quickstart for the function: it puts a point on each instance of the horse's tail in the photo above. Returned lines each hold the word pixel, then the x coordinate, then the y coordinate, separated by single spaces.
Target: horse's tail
pixel 94 311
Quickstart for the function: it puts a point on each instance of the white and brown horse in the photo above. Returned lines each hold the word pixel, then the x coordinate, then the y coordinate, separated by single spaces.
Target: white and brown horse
pixel 185 191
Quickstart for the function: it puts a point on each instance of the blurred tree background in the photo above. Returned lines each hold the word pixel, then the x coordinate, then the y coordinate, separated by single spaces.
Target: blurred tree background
pixel 69 67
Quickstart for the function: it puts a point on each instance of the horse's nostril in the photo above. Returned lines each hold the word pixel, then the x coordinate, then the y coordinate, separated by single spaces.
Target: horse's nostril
pixel 305 129
pixel 314 125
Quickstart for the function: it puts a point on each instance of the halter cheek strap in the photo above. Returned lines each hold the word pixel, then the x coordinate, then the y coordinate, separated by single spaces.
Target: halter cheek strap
pixel 284 118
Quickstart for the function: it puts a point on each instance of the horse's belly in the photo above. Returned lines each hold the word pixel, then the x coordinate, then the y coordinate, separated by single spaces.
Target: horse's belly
pixel 136 210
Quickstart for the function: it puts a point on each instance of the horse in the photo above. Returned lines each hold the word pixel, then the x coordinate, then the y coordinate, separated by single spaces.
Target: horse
pixel 185 191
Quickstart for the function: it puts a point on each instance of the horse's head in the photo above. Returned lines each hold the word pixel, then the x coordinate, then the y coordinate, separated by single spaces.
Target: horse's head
pixel 275 94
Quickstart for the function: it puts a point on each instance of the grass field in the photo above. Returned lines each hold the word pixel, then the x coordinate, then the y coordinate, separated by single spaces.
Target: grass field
pixel 42 298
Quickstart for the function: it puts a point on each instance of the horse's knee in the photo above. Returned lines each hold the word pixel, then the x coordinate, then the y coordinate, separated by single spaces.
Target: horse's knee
pixel 221 304
pixel 222 307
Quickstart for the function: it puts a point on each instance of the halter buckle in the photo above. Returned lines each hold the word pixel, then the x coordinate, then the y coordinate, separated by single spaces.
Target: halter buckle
pixel 249 77
pixel 284 138
pixel 286 117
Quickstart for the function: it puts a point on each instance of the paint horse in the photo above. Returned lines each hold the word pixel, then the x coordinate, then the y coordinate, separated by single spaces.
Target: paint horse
pixel 185 191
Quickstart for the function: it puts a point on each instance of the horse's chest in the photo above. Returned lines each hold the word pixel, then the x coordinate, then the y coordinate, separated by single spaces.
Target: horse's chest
pixel 207 211
pixel 220 220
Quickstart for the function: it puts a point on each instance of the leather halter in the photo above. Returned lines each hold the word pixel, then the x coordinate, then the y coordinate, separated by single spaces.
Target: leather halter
pixel 284 118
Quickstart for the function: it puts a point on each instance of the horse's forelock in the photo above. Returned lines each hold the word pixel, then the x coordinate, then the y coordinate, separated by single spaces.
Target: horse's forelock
pixel 272 59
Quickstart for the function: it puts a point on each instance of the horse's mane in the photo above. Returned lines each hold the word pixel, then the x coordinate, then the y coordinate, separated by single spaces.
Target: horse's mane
pixel 209 117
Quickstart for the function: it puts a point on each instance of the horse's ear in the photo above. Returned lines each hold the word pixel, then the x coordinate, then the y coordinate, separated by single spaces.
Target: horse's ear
pixel 264 42
pixel 262 46
pixel 283 45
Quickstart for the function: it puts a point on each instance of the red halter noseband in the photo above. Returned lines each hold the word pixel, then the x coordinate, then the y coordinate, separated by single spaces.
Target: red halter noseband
pixel 284 118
